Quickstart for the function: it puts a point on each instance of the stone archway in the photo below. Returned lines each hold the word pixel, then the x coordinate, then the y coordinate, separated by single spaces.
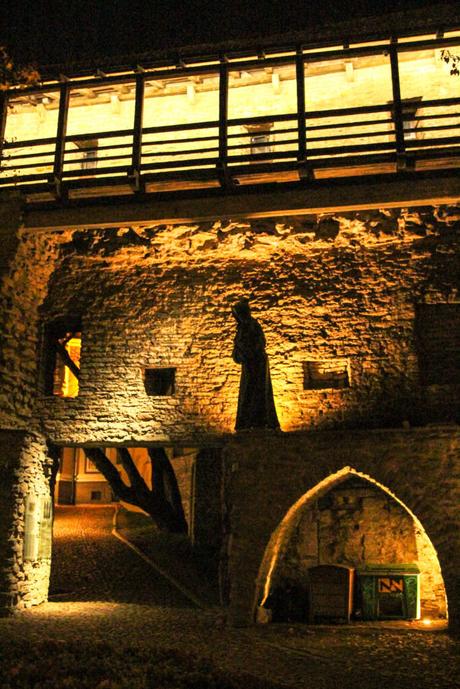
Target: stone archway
pixel 416 544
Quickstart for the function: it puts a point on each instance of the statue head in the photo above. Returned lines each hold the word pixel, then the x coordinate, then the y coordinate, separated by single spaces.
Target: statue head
pixel 241 310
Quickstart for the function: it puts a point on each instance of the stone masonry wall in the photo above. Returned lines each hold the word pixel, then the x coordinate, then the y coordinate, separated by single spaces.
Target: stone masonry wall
pixel 23 289
pixel 267 474
pixel 25 471
pixel 357 524
pixel 323 289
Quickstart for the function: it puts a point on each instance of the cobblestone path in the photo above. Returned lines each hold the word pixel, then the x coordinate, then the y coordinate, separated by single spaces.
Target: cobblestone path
pixel 89 564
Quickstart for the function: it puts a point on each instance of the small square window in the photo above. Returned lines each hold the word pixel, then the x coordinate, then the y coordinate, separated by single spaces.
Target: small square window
pixel 160 381
pixel 326 374
pixel 96 495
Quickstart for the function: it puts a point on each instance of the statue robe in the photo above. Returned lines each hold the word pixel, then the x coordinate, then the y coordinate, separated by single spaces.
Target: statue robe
pixel 256 406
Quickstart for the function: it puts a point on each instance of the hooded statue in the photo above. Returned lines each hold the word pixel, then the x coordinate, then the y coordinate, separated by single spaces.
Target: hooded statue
pixel 256 407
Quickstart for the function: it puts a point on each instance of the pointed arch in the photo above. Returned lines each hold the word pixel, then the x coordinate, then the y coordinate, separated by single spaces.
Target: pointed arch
pixel 281 536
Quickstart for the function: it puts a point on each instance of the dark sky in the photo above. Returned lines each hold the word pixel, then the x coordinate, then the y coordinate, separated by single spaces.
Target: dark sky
pixel 65 31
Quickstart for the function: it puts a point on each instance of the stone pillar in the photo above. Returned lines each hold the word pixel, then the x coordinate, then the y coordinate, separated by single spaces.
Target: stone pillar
pixel 26 524
pixel 207 516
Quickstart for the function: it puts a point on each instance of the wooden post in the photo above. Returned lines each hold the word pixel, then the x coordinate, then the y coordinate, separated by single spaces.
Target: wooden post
pixel 64 97
pixel 301 124
pixel 223 124
pixel 304 173
pixel 397 107
pixel 136 160
pixel 3 111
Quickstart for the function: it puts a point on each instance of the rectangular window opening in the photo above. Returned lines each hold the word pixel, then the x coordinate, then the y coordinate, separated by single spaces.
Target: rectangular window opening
pixel 437 328
pixel 326 374
pixel 160 381
pixel 62 357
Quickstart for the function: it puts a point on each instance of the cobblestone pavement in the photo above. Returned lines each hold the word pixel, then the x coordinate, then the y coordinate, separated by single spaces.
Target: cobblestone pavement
pixel 342 657
pixel 90 564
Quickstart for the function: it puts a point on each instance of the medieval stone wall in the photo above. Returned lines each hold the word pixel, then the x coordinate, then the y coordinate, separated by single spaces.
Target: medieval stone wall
pixel 324 289
pixel 25 475
pixel 24 288
pixel 357 524
pixel 269 478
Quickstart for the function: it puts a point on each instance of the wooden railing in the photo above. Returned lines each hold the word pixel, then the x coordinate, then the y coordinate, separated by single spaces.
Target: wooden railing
pixel 229 152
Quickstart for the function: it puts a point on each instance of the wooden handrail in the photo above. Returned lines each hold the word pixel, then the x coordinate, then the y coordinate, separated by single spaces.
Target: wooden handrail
pixel 298 141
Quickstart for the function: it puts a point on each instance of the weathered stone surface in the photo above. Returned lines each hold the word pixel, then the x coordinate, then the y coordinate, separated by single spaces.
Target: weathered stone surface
pixel 270 477
pixel 24 583
pixel 357 524
pixel 337 286
pixel 160 296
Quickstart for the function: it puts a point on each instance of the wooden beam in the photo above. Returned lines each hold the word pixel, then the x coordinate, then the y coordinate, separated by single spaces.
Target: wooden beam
pixel 66 358
pixel 3 112
pixel 111 474
pixel 301 123
pixel 380 191
pixel 223 123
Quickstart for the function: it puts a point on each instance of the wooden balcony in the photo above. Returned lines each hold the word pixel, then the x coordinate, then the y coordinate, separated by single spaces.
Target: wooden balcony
pixel 228 155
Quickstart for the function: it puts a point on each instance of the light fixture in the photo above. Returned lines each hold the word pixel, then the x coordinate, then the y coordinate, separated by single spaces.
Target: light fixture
pixel 349 71
pixel 276 84
pixel 115 104
pixel 191 92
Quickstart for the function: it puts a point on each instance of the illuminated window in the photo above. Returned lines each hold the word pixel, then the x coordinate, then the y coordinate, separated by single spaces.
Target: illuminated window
pixel 410 121
pixel 410 108
pixel 160 381
pixel 260 138
pixel 62 358
pixel 321 375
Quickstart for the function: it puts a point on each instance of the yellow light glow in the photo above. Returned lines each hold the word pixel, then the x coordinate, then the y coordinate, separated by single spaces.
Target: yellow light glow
pixel 280 537
pixel 69 386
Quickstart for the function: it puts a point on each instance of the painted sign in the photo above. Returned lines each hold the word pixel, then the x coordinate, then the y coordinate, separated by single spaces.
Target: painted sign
pixel 390 585
pixel 38 524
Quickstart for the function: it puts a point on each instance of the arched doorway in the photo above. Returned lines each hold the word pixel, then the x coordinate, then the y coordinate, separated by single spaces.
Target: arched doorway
pixel 351 529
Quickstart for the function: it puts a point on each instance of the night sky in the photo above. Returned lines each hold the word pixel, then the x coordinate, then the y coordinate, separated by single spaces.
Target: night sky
pixel 70 31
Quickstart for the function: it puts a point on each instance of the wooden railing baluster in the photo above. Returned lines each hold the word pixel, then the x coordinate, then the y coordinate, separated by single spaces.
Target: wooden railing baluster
pixel 397 107
pixel 3 111
pixel 64 97
pixel 136 160
pixel 301 121
pixel 222 171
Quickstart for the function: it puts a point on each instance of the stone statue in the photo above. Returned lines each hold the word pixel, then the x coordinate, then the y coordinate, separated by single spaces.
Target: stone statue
pixel 256 407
